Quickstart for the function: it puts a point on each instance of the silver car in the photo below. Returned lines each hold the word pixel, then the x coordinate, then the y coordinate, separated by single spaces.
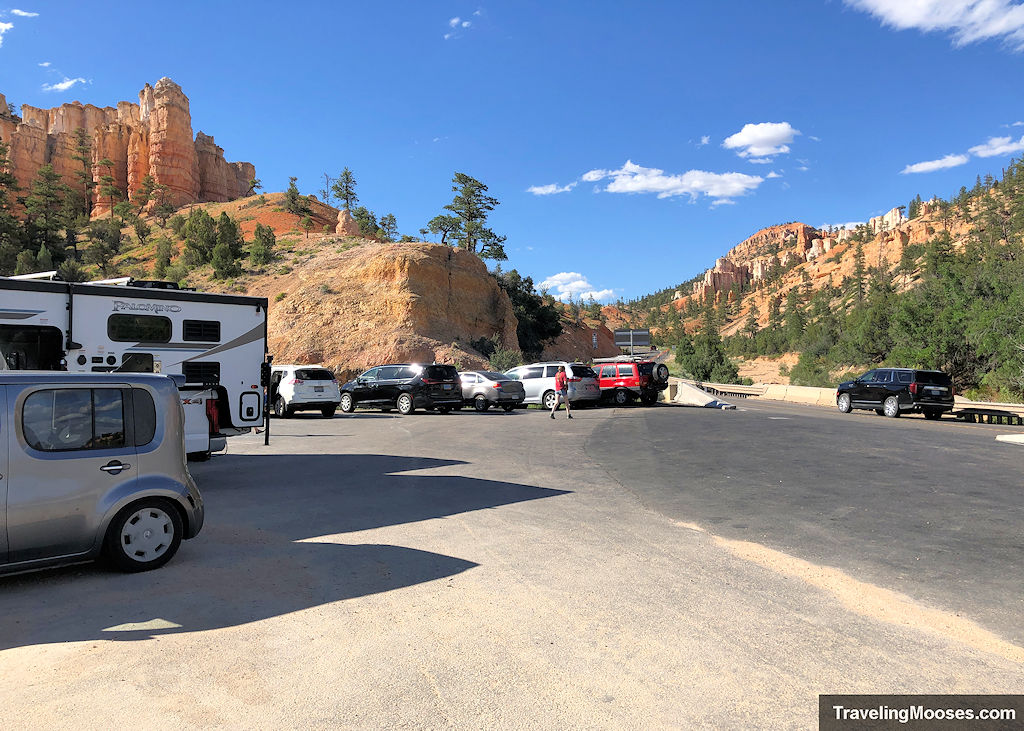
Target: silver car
pixel 484 389
pixel 538 379
pixel 93 465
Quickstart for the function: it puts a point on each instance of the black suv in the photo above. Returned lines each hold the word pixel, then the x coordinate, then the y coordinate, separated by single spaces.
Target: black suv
pixel 893 391
pixel 406 387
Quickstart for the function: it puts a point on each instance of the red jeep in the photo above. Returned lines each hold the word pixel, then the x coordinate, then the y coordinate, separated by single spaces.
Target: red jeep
pixel 625 379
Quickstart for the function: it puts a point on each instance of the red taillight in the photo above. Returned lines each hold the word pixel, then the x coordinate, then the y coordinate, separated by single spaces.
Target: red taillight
pixel 497 384
pixel 913 388
pixel 295 382
pixel 212 415
pixel 430 381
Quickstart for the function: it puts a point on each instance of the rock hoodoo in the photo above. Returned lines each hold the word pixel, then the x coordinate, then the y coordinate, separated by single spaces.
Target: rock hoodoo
pixel 153 137
pixel 347 225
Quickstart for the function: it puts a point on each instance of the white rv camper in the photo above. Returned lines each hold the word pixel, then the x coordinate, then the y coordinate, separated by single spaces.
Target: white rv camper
pixel 217 342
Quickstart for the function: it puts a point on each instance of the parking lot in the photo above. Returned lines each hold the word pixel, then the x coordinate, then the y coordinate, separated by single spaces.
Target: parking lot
pixel 664 567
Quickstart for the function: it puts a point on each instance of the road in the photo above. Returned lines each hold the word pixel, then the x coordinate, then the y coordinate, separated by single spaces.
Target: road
pixel 654 568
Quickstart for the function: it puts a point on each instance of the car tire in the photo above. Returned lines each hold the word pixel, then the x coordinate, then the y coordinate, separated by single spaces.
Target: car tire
pixel 843 403
pixel 648 399
pixel 444 409
pixel 481 404
pixel 621 397
pixel 660 373
pixel 347 405
pixel 549 400
pixel 880 412
pixel 199 456
pixel 932 414
pixel 143 536
pixel 281 409
pixel 404 404
pixel 508 409
pixel 328 411
pixel 891 407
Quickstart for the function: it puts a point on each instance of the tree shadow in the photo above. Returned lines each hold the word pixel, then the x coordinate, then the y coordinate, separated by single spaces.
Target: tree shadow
pixel 258 555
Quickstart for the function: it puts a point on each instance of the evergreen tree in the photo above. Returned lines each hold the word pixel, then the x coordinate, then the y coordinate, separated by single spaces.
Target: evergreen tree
pixel 83 155
pixel 538 320
pixel 859 272
pixel 200 232
pixel 344 189
pixel 164 252
pixel 11 232
pixel 262 250
pixel 230 235
pixel 43 259
pixel 106 241
pixel 44 212
pixel 366 220
pixel 750 326
pixel 471 206
pixel 143 194
pixel 142 231
pixel 389 227
pixel 444 225
pixel 108 186
pixel 224 264
pixel 26 263
pixel 307 225
pixel 293 200
pixel 71 271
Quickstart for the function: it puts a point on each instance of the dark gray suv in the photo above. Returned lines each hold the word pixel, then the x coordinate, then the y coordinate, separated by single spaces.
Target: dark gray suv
pixel 406 387
pixel 895 391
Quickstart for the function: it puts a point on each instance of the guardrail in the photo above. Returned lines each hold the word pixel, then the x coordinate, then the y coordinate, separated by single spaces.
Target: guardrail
pixel 977 412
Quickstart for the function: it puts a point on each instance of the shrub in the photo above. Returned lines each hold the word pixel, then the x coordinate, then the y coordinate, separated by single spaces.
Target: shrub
pixel 280 296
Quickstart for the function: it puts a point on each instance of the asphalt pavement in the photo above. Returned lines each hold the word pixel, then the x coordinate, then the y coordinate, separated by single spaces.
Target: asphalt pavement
pixel 631 568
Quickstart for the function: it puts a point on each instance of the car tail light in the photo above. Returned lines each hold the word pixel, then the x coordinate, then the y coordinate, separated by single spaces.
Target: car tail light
pixel 496 384
pixel 212 415
pixel 430 382
pixel 913 388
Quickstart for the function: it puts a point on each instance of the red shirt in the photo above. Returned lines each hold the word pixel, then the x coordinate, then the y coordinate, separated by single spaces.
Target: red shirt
pixel 560 381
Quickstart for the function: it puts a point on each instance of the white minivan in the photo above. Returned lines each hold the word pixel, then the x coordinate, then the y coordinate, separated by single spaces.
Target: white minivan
pixel 303 388
pixel 538 380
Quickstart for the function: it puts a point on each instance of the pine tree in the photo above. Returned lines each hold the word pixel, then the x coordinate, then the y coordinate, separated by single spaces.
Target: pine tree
pixel 83 155
pixel 164 252
pixel 229 234
pixel 262 250
pixel 344 189
pixel 389 227
pixel 43 259
pixel 200 232
pixel 224 264
pixel 472 205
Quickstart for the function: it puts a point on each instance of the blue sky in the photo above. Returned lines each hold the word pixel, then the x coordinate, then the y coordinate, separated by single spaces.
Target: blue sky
pixel 671 130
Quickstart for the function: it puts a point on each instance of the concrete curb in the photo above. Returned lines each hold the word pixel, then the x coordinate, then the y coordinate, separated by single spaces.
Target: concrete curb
pixel 683 394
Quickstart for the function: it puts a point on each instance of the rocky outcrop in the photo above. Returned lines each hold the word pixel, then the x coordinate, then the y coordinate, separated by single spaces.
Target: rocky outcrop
pixel 153 137
pixel 394 303
pixel 347 225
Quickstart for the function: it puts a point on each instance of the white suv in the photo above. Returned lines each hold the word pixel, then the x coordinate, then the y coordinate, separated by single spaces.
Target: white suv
pixel 303 388
pixel 538 381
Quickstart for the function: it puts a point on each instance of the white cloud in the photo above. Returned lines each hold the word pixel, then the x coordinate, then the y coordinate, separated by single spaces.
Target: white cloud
pixel 815 139
pixel 997 146
pixel 930 166
pixel 550 189
pixel 454 22
pixel 633 178
pixel 4 27
pixel 448 35
pixel 761 160
pixel 1017 124
pixel 849 225
pixel 23 13
pixel 968 21
pixel 63 85
pixel 704 140
pixel 762 140
pixel 466 24
pixel 574 286
pixel 45 64
pixel 772 174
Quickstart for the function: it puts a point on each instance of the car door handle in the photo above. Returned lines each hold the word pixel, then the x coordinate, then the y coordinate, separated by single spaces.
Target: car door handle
pixel 115 468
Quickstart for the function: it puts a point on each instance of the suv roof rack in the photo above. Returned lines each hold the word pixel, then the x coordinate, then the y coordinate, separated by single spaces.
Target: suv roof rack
pixel 635 358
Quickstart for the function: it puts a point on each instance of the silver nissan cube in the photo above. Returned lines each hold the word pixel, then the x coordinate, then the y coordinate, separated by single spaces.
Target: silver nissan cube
pixel 93 465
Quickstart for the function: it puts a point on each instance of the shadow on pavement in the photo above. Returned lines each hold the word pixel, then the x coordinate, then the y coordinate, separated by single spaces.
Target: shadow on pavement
pixel 250 561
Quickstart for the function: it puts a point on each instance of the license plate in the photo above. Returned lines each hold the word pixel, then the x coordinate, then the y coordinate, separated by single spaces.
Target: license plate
pixel 447 387
pixel 318 389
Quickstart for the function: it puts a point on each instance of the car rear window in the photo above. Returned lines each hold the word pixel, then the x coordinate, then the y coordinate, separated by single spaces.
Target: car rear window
pixel 441 373
pixel 625 371
pixel 314 374
pixel 904 376
pixel 581 371
pixel 491 376
pixel 934 378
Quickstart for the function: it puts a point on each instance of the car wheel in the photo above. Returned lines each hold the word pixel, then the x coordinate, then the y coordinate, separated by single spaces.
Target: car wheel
pixel 281 409
pixel 621 397
pixel 444 409
pixel 932 414
pixel 480 404
pixel 843 402
pixel 549 400
pixel 346 403
pixel 891 407
pixel 508 409
pixel 661 373
pixel 145 535
pixel 328 411
pixel 199 456
pixel 404 404
pixel 880 412
pixel 648 399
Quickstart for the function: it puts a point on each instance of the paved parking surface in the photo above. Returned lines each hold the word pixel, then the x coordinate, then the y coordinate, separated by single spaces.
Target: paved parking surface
pixel 493 570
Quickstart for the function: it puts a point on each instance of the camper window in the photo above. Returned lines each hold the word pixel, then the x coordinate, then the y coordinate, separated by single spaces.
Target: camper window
pixel 30 347
pixel 139 328
pixel 204 331
pixel 136 363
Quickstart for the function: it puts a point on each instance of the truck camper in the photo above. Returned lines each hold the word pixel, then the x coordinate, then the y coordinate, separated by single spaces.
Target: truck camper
pixel 217 342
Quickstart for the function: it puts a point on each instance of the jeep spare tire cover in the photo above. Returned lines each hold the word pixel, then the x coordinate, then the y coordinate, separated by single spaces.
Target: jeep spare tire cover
pixel 661 372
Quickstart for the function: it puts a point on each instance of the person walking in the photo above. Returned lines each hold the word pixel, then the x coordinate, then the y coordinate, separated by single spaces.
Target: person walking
pixel 562 381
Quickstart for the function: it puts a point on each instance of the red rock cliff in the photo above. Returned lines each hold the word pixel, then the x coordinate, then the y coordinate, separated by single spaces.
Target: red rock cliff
pixel 153 137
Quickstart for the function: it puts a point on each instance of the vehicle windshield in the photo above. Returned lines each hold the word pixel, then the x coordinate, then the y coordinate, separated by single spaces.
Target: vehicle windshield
pixel 491 376
pixel 314 374
pixel 581 371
